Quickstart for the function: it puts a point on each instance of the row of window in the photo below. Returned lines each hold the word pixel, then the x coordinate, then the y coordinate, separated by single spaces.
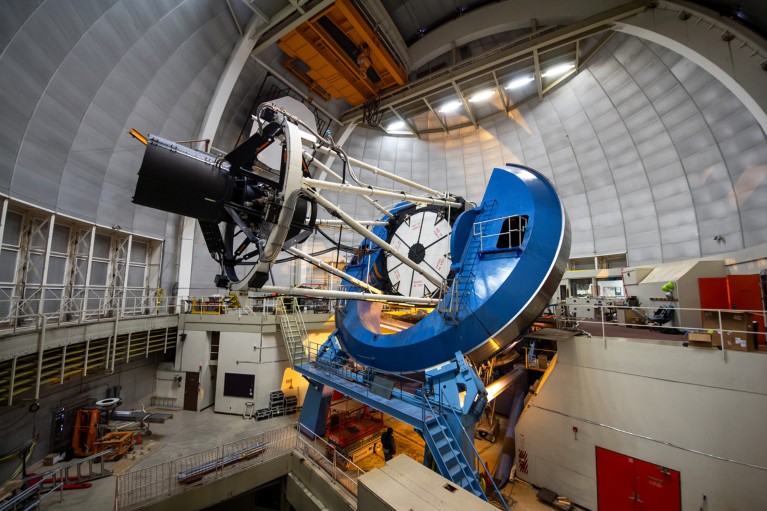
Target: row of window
pixel 56 265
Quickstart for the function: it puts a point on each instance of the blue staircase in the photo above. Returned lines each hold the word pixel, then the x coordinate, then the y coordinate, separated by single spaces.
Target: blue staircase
pixel 450 460
pixel 463 283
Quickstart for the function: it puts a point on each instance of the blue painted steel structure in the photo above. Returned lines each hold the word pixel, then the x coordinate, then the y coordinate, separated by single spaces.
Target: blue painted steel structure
pixel 508 255
pixel 500 284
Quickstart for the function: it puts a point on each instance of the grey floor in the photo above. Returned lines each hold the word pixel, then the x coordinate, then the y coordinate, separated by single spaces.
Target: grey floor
pixel 191 432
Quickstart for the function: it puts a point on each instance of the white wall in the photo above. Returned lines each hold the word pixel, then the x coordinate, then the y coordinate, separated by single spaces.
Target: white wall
pixel 656 403
pixel 260 354
pixel 193 355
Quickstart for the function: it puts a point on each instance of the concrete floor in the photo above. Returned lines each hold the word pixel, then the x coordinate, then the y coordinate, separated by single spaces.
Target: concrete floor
pixel 191 432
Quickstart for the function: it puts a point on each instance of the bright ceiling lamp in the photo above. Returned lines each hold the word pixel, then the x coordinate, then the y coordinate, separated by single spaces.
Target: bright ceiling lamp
pixel 518 83
pixel 450 106
pixel 482 95
pixel 558 70
pixel 396 126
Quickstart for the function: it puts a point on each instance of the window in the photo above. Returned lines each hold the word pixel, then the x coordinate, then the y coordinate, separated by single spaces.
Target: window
pixel 512 232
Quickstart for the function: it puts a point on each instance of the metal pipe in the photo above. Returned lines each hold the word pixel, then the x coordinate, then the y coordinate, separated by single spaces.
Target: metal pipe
pixel 367 199
pixel 334 222
pixel 330 269
pixel 348 295
pixel 372 237
pixel 372 192
pixel 381 172
pixel 13 380
pixel 40 353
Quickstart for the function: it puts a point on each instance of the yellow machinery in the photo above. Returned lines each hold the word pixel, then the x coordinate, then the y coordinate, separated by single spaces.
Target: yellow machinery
pixel 336 53
pixel 86 431
pixel 119 441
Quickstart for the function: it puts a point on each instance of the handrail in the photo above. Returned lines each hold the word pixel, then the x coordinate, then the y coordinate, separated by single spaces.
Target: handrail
pixel 479 458
pixel 138 486
pixel 58 478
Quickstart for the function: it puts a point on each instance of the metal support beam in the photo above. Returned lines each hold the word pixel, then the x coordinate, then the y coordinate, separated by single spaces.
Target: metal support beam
pixel 290 26
pixel 501 92
pixel 234 17
pixel 120 312
pixel 414 92
pixel 89 266
pixel 331 269
pixel 348 295
pixel 375 239
pixel 12 381
pixel 407 122
pixel 439 119
pixel 465 103
pixel 334 222
pixel 372 192
pixel 326 171
pixel 258 12
pixel 537 65
pixel 600 44
pixel 386 174
pixel 46 265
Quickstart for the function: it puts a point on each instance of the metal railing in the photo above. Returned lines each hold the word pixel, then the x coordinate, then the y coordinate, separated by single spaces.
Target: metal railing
pixel 138 487
pixel 493 492
pixel 40 486
pixel 726 329
pixel 501 233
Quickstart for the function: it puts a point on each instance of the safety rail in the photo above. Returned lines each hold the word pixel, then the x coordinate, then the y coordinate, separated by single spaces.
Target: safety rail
pixel 401 385
pixel 140 486
pixel 511 233
pixel 40 486
pixel 19 317
pixel 496 493
pixel 339 467
pixel 724 329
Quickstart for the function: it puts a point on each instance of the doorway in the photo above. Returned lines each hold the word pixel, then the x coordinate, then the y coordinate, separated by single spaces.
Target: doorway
pixel 191 389
pixel 629 484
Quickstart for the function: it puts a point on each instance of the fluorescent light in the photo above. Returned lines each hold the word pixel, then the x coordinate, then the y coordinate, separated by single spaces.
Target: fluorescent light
pixel 558 70
pixel 450 106
pixel 482 95
pixel 520 82
pixel 395 126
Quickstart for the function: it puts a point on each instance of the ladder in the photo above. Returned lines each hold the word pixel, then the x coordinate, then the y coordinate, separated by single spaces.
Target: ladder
pixel 447 454
pixel 464 281
pixel 293 329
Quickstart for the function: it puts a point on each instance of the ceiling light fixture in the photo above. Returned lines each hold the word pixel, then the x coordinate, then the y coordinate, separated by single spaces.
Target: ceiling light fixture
pixel 558 70
pixel 450 106
pixel 482 95
pixel 520 82
pixel 396 126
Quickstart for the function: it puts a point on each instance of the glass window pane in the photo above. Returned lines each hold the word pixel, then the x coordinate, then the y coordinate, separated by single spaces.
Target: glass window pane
pixel 101 246
pixel 12 231
pixel 60 240
pixel 39 234
pixel 8 265
pixel 136 276
pixel 56 269
pixel 82 268
pixel 138 252
pixel 84 242
pixel 35 271
pixel 99 273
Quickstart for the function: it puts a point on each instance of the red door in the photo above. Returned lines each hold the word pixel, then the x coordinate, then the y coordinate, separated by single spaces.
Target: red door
pixel 629 484
pixel 744 292
pixel 656 487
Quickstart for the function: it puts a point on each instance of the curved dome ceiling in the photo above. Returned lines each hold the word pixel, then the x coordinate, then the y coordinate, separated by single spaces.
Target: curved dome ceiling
pixel 651 154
